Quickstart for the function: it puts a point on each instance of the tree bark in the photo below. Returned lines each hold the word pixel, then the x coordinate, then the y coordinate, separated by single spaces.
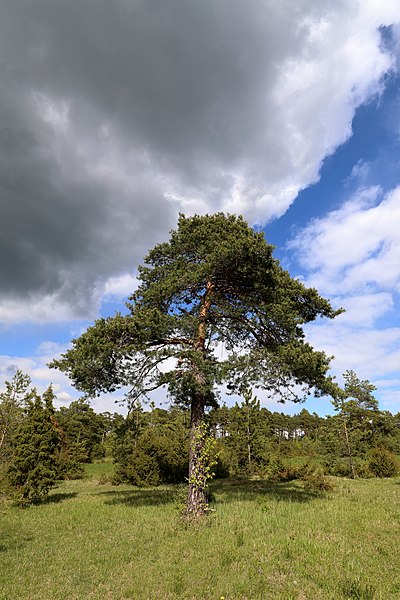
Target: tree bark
pixel 3 435
pixel 349 452
pixel 248 438
pixel 197 493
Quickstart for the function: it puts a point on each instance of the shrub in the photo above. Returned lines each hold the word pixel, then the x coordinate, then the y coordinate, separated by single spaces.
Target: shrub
pixel 293 472
pixel 315 481
pixel 156 458
pixel 70 460
pixel 340 467
pixel 221 466
pixel 98 451
pixel 382 463
pixel 274 467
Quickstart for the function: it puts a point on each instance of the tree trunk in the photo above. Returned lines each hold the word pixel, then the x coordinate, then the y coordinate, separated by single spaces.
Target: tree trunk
pixel 3 436
pixel 197 493
pixel 248 439
pixel 349 452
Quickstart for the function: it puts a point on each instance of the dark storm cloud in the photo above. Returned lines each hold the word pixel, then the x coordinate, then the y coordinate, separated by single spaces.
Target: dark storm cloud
pixel 116 115
pixel 182 79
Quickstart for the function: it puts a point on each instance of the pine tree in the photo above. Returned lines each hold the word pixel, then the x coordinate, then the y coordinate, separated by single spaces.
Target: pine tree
pixel 214 282
pixel 356 406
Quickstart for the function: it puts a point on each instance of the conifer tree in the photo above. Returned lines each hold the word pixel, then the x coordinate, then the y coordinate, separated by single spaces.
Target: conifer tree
pixel 11 405
pixel 214 282
pixel 83 429
pixel 243 440
pixel 36 447
pixel 355 406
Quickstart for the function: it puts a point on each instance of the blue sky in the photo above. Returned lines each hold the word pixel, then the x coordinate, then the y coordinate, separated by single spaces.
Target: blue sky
pixel 116 119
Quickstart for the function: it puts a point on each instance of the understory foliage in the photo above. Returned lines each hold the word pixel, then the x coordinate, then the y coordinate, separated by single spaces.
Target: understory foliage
pixel 214 283
pixel 253 442
pixel 152 448
pixel 85 430
pixel 383 463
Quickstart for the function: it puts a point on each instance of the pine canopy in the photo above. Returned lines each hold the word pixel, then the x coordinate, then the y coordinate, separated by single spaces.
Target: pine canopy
pixel 213 306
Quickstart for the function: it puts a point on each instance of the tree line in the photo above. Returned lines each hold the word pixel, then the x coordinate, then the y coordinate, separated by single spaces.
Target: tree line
pixel 360 440
pixel 40 445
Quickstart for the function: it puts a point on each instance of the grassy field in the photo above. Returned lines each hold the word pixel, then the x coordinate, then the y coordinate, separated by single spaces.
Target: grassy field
pixel 264 541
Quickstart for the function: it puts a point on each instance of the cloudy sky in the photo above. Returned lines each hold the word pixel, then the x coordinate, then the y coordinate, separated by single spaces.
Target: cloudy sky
pixel 116 116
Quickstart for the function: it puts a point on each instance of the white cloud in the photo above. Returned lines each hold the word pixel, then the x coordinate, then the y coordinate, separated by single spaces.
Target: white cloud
pixel 45 309
pixel 373 354
pixel 119 287
pixel 36 367
pixel 50 349
pixel 40 374
pixel 359 173
pixel 356 247
pixel 41 377
pixel 364 310
pixel 353 255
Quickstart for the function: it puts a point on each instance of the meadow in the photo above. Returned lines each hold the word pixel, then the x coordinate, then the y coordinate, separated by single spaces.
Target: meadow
pixel 263 540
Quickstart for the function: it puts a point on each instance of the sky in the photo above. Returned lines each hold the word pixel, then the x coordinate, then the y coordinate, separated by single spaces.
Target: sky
pixel 116 116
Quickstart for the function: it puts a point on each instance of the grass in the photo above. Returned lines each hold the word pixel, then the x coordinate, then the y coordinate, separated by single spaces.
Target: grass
pixel 264 541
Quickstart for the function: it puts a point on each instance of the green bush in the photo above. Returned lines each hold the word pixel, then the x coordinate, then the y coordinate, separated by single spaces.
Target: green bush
pixel 340 467
pixel 272 467
pixel 315 481
pixel 293 472
pixel 382 463
pixel 70 460
pixel 155 458
pixel 221 466
pixel 142 469
pixel 98 451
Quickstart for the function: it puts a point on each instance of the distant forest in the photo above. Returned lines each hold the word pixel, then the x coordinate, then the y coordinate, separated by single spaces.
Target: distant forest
pixel 40 445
